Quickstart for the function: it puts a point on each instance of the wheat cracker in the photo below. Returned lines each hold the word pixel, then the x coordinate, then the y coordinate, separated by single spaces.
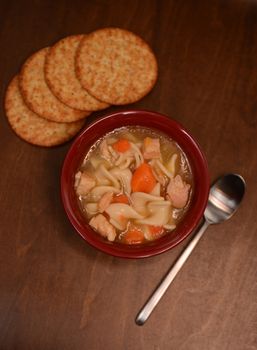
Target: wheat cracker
pixel 37 94
pixel 116 66
pixel 61 77
pixel 32 128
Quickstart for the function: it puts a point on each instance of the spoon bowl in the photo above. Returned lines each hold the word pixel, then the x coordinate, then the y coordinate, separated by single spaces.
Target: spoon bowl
pixel 224 199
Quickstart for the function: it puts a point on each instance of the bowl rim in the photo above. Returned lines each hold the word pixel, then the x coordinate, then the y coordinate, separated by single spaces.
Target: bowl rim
pixel 118 249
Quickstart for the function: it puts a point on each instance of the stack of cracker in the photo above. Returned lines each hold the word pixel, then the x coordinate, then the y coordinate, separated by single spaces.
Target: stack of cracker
pixel 58 87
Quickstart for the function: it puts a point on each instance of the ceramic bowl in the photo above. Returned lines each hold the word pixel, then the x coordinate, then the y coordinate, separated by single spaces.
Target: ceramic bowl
pixel 155 121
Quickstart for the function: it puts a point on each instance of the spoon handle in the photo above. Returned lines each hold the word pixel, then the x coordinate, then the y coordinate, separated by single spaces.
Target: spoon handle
pixel 149 306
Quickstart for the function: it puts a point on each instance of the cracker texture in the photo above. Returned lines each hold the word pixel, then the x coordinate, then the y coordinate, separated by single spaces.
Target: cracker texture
pixel 39 97
pixel 61 77
pixel 31 127
pixel 116 66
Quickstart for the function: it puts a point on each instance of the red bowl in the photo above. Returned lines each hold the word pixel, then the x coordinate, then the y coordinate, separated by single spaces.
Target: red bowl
pixel 152 120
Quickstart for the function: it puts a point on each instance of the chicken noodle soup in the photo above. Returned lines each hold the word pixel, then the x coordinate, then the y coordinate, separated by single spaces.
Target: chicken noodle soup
pixel 134 185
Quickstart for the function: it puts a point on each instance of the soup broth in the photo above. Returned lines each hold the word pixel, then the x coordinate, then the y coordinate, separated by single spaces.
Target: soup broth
pixel 134 185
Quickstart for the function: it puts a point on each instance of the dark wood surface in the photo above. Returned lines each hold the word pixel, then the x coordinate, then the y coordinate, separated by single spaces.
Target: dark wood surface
pixel 56 292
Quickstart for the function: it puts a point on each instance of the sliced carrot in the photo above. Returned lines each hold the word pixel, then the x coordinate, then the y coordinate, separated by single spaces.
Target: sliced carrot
pixel 134 236
pixel 156 231
pixel 121 145
pixel 143 179
pixel 120 198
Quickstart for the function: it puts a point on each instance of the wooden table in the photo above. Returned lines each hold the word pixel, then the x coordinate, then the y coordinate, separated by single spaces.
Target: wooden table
pixel 57 292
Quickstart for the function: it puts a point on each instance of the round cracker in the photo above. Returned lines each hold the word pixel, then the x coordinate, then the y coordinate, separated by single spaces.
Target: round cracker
pixel 39 97
pixel 116 66
pixel 61 77
pixel 32 128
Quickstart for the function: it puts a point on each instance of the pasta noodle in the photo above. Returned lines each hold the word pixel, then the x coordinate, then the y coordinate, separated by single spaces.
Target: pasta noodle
pixel 124 176
pixel 103 173
pixel 134 181
pixel 140 200
pixel 159 213
pixel 121 213
pixel 91 208
pixel 172 164
pixel 98 191
pixel 156 190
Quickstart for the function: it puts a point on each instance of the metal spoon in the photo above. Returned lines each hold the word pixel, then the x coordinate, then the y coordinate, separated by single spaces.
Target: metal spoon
pixel 224 198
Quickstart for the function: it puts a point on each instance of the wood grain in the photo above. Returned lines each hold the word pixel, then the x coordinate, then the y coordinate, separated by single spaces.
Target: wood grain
pixel 56 292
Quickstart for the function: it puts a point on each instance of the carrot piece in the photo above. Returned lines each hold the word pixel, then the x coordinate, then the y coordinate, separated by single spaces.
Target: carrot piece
pixel 134 236
pixel 156 231
pixel 120 198
pixel 121 145
pixel 143 179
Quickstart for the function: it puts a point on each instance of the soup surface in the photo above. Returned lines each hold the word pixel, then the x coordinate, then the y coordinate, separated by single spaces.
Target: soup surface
pixel 134 185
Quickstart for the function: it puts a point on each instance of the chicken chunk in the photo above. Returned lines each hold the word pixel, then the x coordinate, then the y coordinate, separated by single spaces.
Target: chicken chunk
pixel 159 176
pixel 178 192
pixel 102 226
pixel 84 183
pixel 151 148
pixel 105 201
pixel 104 150
pixel 108 152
